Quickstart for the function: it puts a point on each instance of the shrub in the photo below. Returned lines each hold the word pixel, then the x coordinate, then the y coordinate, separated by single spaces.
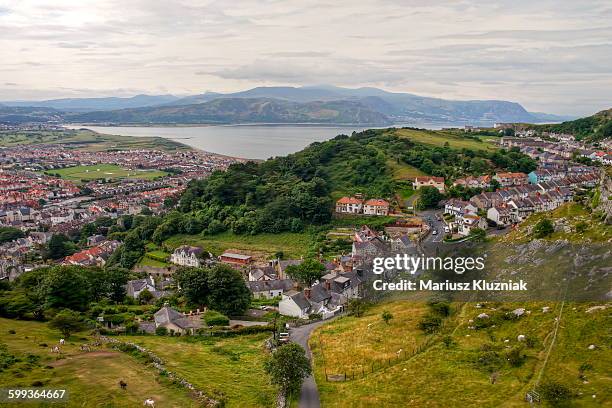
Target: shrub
pixel 214 318
pixel 515 356
pixel 430 323
pixel 556 394
pixel 161 331
pixel 12 331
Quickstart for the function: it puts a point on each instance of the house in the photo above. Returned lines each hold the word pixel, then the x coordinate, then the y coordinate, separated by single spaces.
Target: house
pixel 281 265
pixel 474 182
pixel 349 205
pixel 467 223
pixel 295 304
pixel 186 255
pixel 511 179
pixel 176 322
pixel 265 273
pixel 136 287
pixel 376 206
pixel 95 256
pixel 428 181
pixel 235 259
pixel 459 208
pixel 95 240
pixel 501 215
pixel 268 289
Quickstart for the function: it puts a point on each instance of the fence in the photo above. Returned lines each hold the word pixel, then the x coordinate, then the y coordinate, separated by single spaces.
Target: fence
pixel 374 366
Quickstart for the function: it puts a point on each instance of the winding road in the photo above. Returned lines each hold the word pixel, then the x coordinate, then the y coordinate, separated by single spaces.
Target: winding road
pixel 309 396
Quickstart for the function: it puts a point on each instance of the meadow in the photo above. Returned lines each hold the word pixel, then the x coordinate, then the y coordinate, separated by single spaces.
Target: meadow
pixel 459 370
pixel 440 138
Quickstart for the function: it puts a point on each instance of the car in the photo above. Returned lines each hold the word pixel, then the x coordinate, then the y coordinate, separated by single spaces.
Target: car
pixel 446 229
pixel 435 232
pixel 283 337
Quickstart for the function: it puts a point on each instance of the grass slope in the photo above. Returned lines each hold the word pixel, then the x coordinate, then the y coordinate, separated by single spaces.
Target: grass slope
pixel 439 138
pixel 453 376
pixel 91 379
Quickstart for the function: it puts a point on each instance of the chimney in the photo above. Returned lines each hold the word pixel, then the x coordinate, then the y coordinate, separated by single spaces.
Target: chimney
pixel 307 293
pixel 328 284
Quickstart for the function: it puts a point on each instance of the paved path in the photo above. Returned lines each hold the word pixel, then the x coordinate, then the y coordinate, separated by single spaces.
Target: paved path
pixel 309 397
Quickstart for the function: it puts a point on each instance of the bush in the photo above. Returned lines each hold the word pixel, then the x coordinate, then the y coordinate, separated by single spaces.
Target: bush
pixel 430 323
pixel 12 331
pixel 213 318
pixel 161 331
pixel 515 356
pixel 556 394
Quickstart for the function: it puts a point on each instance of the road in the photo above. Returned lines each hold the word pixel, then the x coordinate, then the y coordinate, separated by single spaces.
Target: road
pixel 309 396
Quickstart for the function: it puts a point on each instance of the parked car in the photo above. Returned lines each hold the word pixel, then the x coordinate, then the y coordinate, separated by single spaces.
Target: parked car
pixel 283 337
pixel 435 232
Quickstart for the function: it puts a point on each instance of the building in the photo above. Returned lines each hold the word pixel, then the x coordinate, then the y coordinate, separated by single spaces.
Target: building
pixel 186 255
pixel 236 259
pixel 511 179
pixel 459 208
pixel 501 215
pixel 349 205
pixel 176 322
pixel 427 181
pixel 268 289
pixel 467 223
pixel 376 206
pixel 136 287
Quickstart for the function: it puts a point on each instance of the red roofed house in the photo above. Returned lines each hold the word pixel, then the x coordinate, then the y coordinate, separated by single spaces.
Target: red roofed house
pixel 349 205
pixel 376 206
pixel 428 181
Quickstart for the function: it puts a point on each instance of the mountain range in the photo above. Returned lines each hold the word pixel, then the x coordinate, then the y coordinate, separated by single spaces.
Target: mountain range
pixel 308 104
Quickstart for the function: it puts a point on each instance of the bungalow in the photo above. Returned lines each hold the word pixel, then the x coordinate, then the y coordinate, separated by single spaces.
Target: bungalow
pixel 511 179
pixel 376 206
pixel 349 205
pixel 176 322
pixel 428 181
pixel 186 255
pixel 268 289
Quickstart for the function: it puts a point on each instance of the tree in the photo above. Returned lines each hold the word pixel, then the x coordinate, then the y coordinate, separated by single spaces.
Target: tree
pixel 145 296
pixel 115 281
pixel 194 284
pixel 543 228
pixel 287 367
pixel 387 316
pixel 307 272
pixel 8 234
pixel 60 246
pixel 67 322
pixel 356 307
pixel 478 234
pixel 228 291
pixel 429 197
pixel 67 287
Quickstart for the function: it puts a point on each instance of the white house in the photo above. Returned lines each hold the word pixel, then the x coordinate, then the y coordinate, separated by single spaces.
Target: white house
pixel 136 287
pixel 459 208
pixel 268 289
pixel 468 222
pixel 186 255
pixel 349 205
pixel 428 181
pixel 376 206
pixel 500 215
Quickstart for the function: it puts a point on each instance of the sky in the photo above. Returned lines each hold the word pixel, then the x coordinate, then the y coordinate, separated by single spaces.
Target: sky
pixel 551 56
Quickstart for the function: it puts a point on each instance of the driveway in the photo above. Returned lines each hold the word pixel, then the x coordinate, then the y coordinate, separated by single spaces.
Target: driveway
pixel 309 397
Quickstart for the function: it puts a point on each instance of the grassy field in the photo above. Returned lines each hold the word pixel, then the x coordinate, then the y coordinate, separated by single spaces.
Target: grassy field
pixel 402 171
pixel 232 367
pixel 91 379
pixel 293 245
pixel 439 138
pixel 88 140
pixel 105 171
pixel 460 374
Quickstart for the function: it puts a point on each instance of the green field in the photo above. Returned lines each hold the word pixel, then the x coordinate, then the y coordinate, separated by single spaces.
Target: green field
pixel 104 171
pixel 439 138
pixel 88 140
pixel 458 375
pixel 293 245
pixel 91 379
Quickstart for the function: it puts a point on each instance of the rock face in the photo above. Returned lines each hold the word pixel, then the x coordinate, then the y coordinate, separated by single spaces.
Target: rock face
pixel 605 203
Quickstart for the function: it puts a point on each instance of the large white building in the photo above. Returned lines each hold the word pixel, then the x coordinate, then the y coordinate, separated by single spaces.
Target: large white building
pixel 186 255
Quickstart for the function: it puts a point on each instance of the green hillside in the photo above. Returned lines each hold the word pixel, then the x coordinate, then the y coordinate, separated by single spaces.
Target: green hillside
pixel 593 128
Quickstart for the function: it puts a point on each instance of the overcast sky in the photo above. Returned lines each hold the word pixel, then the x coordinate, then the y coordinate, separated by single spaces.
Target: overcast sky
pixel 549 55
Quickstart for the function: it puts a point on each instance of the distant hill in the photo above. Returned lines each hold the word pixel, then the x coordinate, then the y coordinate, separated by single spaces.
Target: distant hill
pixel 595 127
pixel 17 115
pixel 400 108
pixel 95 104
pixel 242 110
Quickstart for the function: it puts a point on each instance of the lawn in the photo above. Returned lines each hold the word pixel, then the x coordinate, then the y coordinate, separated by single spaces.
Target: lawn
pixel 439 138
pixel 105 171
pixel 91 379
pixel 88 140
pixel 293 245
pixel 231 367
pixel 457 375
